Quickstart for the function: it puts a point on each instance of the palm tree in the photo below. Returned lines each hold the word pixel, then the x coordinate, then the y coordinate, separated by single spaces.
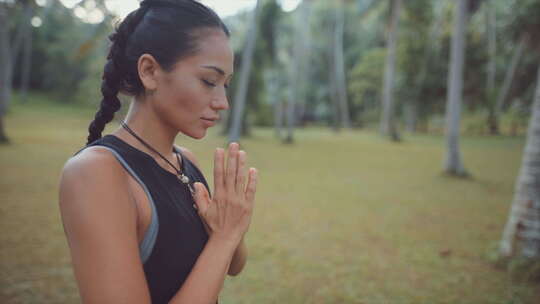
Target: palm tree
pixel 241 92
pixel 510 73
pixel 525 210
pixel 339 67
pixel 453 163
pixel 388 126
pixel 300 56
pixel 491 66
pixel 27 56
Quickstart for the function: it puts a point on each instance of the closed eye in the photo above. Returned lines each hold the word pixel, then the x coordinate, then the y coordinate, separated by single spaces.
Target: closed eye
pixel 208 83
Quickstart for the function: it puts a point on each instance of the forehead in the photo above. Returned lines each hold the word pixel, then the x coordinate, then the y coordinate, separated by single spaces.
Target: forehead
pixel 214 49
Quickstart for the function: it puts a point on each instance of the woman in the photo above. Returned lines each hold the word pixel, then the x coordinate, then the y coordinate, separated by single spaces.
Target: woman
pixel 141 224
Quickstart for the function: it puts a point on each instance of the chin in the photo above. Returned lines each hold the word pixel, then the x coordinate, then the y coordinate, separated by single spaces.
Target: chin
pixel 196 134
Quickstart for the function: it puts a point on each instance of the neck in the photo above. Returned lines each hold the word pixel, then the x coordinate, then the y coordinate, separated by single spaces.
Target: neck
pixel 145 123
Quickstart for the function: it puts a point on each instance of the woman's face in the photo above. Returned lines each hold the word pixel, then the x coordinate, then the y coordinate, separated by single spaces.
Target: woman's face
pixel 189 97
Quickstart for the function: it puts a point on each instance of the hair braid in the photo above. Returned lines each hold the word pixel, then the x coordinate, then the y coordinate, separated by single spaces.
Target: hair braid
pixel 114 75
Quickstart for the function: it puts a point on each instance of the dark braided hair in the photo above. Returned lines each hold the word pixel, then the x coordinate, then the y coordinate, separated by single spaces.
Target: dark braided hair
pixel 164 29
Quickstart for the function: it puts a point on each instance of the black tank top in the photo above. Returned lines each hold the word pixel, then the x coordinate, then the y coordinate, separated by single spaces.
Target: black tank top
pixel 181 235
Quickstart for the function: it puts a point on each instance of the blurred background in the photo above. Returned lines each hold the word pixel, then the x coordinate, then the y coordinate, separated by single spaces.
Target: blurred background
pixel 398 145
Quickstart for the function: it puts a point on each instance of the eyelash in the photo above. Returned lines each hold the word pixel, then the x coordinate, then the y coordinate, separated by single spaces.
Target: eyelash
pixel 208 83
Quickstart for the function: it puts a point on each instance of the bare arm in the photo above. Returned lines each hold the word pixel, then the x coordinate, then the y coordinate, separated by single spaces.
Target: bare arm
pixel 100 224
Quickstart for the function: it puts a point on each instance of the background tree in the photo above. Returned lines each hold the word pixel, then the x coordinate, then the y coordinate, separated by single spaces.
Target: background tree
pixel 338 71
pixel 521 235
pixel 525 210
pixel 453 163
pixel 388 123
pixel 9 51
pixel 240 96
pixel 491 70
pixel 298 67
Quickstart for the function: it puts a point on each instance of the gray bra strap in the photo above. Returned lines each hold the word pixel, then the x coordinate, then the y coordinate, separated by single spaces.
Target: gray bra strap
pixel 146 246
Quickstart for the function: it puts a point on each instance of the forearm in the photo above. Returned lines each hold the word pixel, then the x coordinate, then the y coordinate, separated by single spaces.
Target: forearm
pixel 205 281
pixel 239 259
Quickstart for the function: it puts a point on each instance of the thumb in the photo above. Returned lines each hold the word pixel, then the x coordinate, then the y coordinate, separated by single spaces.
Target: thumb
pixel 201 197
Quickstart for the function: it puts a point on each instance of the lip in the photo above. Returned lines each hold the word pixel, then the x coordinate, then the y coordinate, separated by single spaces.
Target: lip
pixel 209 122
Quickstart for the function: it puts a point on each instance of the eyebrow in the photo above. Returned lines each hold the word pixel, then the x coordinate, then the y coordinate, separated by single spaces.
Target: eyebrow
pixel 215 68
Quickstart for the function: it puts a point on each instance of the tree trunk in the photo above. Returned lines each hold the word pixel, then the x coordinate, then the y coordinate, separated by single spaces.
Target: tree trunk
pixel 225 120
pixel 525 210
pixel 292 87
pixel 298 67
pixel 388 125
pixel 19 41
pixel 454 164
pixel 339 66
pixel 300 115
pixel 275 99
pixel 305 31
pixel 411 115
pixel 490 17
pixel 240 96
pixel 278 118
pixel 26 64
pixel 496 108
pixel 20 35
pixel 510 73
pixel 3 138
pixel 492 47
pixel 5 67
pixel 334 100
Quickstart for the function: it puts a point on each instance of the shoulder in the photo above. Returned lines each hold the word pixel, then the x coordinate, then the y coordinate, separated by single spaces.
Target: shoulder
pixel 91 163
pixel 93 179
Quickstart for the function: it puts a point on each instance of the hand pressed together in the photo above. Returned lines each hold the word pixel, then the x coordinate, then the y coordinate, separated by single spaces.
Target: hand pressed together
pixel 228 213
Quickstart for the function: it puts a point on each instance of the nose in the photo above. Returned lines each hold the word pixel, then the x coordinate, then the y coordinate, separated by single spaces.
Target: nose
pixel 221 101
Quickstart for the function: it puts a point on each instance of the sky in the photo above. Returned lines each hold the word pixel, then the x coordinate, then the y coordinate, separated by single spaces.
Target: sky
pixel 223 8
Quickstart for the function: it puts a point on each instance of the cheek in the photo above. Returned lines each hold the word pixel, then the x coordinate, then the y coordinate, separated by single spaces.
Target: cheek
pixel 186 96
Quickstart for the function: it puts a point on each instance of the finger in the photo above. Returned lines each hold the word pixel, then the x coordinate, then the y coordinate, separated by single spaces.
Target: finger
pixel 219 182
pixel 241 172
pixel 201 197
pixel 230 178
pixel 252 185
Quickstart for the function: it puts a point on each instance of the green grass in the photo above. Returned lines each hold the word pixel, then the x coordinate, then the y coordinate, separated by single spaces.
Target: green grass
pixel 340 218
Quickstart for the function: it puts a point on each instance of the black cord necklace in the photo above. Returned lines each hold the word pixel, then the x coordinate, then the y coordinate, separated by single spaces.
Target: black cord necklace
pixel 181 176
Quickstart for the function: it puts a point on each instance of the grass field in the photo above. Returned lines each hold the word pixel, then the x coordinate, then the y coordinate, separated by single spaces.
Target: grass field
pixel 340 218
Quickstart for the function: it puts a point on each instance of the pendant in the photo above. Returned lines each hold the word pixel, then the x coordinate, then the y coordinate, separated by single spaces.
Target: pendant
pixel 183 178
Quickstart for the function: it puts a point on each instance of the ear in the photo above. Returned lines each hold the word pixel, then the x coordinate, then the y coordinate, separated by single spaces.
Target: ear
pixel 148 69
